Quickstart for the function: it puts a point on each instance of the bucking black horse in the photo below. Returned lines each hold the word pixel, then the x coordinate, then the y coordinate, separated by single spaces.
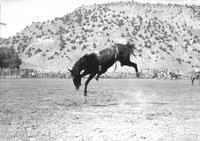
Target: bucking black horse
pixel 97 63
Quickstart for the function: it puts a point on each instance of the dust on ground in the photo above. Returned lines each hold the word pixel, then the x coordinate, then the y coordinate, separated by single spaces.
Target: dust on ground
pixel 116 110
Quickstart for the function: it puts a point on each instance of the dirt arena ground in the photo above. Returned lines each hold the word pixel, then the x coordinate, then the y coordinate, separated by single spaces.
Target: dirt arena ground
pixel 116 110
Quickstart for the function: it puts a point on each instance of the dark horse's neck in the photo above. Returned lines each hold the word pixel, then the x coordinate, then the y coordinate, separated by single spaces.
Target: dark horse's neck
pixel 88 63
pixel 79 66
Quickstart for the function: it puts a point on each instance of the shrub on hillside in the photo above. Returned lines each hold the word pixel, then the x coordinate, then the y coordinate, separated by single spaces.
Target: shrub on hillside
pixel 84 47
pixel 29 52
pixel 38 50
pixel 56 53
pixel 51 57
pixel 163 49
pixel 120 23
pixel 73 47
pixel 179 60
pixel 152 52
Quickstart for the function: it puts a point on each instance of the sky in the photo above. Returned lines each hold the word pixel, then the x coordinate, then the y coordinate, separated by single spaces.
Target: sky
pixel 17 14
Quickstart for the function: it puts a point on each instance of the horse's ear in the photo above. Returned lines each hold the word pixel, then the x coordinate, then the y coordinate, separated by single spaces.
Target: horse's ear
pixel 70 70
pixel 72 74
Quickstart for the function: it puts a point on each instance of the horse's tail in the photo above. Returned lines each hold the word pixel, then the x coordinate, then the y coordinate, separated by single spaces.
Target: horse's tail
pixel 116 57
pixel 115 66
pixel 132 48
pixel 133 51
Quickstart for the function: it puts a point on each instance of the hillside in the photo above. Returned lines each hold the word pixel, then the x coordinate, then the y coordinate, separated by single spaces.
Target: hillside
pixel 166 36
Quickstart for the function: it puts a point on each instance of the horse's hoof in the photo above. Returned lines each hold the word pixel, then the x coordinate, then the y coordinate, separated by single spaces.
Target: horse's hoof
pixel 85 100
pixel 138 75
pixel 85 93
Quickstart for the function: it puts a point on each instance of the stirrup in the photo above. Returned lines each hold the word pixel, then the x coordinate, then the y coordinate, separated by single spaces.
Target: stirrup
pixel 100 68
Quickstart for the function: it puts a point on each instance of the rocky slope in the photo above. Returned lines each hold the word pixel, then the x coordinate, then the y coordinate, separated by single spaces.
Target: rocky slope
pixel 167 36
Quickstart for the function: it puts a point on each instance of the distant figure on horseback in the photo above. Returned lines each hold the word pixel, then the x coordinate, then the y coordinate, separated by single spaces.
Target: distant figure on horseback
pixel 174 76
pixel 97 63
pixel 196 74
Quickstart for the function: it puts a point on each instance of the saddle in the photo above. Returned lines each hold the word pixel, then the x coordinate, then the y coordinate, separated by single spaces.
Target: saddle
pixel 116 56
pixel 116 51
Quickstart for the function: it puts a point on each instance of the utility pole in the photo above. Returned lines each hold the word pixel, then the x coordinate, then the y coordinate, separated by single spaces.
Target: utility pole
pixel 1 23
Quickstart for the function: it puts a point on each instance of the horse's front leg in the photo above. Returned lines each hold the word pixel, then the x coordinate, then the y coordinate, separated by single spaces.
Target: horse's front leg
pixel 97 77
pixel 131 64
pixel 100 73
pixel 86 83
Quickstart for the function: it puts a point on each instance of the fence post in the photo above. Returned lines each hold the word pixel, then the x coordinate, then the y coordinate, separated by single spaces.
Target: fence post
pixel 166 73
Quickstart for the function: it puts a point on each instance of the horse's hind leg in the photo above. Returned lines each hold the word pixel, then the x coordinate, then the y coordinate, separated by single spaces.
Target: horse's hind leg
pixel 199 79
pixel 86 83
pixel 131 64
pixel 192 79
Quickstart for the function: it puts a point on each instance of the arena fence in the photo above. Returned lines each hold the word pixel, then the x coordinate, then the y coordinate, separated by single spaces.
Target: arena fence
pixel 144 74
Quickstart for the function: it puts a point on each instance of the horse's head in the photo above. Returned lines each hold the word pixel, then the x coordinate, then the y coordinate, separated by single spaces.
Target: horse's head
pixel 76 78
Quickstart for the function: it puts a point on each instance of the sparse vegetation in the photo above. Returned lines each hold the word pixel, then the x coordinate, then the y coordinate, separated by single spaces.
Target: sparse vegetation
pixel 73 47
pixel 102 23
pixel 38 50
